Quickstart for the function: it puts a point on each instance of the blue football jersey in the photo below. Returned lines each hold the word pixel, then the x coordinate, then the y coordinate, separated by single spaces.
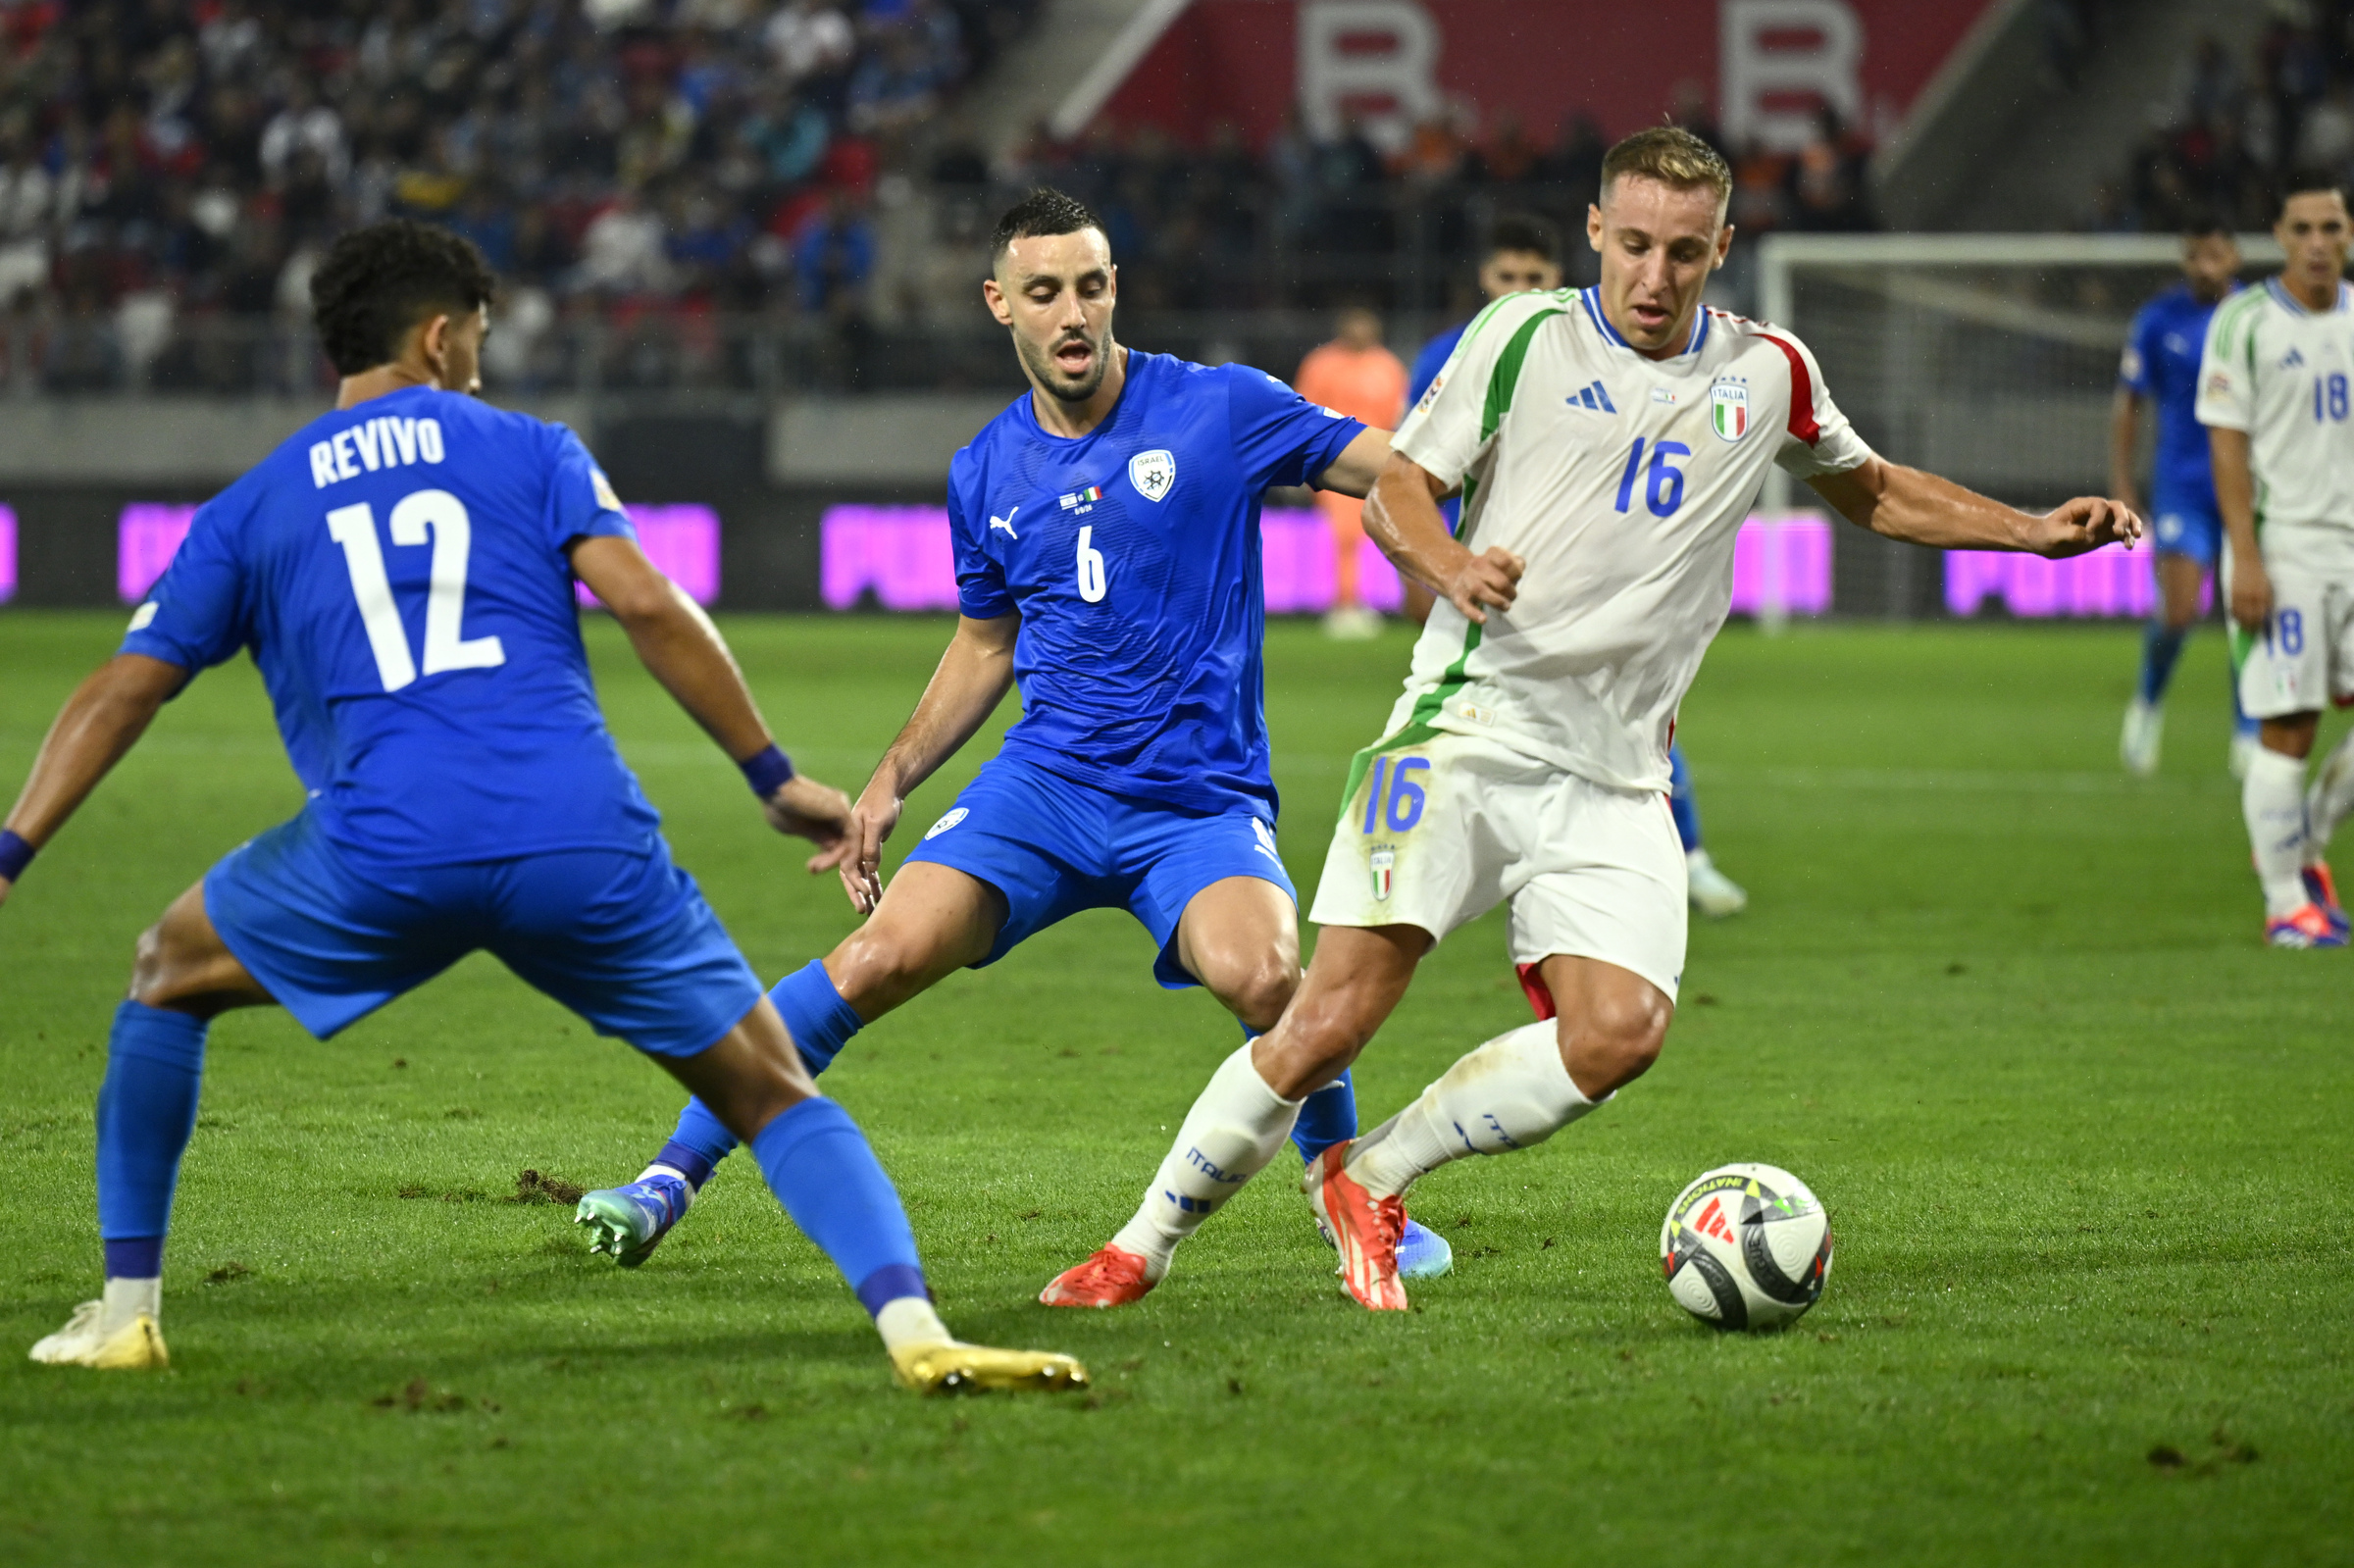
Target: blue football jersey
pixel 398 572
pixel 1131 555
pixel 2162 364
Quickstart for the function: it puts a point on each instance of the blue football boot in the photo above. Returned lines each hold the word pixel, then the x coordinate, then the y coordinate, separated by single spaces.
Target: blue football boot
pixel 631 1221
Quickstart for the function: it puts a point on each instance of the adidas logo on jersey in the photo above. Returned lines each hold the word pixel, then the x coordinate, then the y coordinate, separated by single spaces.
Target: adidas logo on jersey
pixel 2294 360
pixel 1595 397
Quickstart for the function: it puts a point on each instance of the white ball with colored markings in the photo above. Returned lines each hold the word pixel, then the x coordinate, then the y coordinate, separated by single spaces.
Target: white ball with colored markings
pixel 1746 1246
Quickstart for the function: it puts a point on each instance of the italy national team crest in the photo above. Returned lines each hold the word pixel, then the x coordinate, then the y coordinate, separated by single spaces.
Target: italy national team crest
pixel 1384 861
pixel 1729 409
pixel 1152 473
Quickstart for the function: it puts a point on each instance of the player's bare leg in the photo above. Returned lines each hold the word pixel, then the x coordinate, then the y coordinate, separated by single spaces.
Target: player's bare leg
pixel 1240 937
pixel 182 976
pixel 1242 1118
pixel 1511 1093
pixel 933 920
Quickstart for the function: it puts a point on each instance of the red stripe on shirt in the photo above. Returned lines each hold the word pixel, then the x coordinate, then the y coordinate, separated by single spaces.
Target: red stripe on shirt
pixel 1802 391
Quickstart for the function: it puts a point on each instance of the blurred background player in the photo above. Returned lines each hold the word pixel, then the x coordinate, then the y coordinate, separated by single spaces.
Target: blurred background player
pixel 401 570
pixel 1524 761
pixel 1356 375
pixel 1524 253
pixel 1138 775
pixel 2187 533
pixel 2275 393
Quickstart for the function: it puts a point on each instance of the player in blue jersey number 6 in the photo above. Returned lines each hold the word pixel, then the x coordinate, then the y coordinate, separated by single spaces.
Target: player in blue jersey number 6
pixel 1108 559
pixel 401 570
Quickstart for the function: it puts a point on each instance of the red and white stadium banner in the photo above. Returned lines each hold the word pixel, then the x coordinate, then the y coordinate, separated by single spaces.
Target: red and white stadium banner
pixel 1763 65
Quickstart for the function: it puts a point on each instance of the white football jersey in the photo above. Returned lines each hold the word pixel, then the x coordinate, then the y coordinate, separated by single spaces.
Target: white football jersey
pixel 1623 482
pixel 2285 376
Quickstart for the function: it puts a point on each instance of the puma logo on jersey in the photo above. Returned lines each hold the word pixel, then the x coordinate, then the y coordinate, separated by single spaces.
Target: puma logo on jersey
pixel 1005 522
pixel 1595 397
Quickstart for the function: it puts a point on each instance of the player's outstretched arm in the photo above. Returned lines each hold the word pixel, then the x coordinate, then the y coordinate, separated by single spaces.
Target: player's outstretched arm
pixel 1360 464
pixel 973 677
pixel 1921 508
pixel 681 647
pixel 106 714
pixel 1402 514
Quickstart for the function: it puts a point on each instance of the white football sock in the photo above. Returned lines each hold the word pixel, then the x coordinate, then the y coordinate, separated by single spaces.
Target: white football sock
pixel 2330 799
pixel 126 1299
pixel 1230 1134
pixel 1511 1093
pixel 660 1169
pixel 2272 801
pixel 910 1320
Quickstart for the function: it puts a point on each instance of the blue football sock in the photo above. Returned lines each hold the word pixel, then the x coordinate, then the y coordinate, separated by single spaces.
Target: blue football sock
pixel 146 1112
pixel 820 1021
pixel 1326 1117
pixel 819 1165
pixel 1679 799
pixel 2160 647
pixel 698 1143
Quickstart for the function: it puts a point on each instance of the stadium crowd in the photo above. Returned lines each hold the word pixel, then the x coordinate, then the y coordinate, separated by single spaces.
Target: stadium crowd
pixel 2232 128
pixel 171 159
pixel 647 166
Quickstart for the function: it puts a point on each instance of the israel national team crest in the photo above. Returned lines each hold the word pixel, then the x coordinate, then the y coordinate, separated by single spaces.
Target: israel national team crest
pixel 1384 861
pixel 954 817
pixel 1152 473
pixel 1729 409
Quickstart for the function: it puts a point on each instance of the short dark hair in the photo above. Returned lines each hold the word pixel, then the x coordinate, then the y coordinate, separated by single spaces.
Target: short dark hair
pixel 2311 182
pixel 1526 232
pixel 378 281
pixel 1045 211
pixel 2205 225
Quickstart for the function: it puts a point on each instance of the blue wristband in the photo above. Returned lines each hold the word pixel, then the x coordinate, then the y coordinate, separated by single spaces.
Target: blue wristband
pixel 14 855
pixel 767 773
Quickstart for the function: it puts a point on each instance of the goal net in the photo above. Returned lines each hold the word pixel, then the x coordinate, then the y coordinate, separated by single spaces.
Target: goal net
pixel 1991 359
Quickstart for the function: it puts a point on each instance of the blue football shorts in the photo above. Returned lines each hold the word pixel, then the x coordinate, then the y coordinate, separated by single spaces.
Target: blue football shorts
pixel 624 940
pixel 2186 520
pixel 1053 846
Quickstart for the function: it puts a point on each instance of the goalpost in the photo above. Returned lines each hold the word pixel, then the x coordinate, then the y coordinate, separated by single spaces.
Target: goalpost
pixel 1988 358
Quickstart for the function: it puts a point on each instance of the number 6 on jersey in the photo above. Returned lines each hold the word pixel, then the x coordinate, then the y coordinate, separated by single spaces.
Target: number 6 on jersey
pixel 1091 585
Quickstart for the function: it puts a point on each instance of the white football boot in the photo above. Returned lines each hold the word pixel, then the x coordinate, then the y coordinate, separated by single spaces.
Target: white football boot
pixel 1714 893
pixel 88 1339
pixel 2137 746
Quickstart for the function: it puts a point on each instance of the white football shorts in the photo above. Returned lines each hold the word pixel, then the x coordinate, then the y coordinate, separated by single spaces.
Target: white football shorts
pixel 1437 834
pixel 2303 661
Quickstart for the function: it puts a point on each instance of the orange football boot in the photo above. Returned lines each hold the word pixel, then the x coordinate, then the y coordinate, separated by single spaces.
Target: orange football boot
pixel 1365 1228
pixel 1112 1278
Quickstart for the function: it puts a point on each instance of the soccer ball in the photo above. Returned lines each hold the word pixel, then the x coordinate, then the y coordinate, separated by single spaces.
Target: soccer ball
pixel 1746 1246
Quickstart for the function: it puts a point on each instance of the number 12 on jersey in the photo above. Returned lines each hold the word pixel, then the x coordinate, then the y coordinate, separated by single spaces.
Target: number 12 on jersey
pixel 442 516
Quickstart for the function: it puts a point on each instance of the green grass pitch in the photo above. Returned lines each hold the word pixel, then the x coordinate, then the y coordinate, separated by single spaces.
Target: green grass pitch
pixel 2081 1137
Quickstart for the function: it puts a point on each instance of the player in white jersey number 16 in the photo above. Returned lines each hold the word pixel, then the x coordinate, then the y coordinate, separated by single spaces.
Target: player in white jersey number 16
pixel 1575 608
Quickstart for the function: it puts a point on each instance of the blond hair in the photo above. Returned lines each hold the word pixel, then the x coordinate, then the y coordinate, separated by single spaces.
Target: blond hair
pixel 1673 156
